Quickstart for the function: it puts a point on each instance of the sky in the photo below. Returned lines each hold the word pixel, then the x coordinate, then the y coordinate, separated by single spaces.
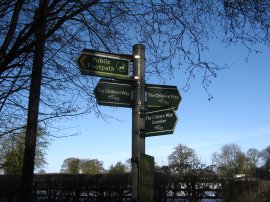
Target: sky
pixel 238 113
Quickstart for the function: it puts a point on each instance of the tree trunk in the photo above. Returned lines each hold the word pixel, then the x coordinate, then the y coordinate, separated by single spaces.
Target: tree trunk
pixel 33 105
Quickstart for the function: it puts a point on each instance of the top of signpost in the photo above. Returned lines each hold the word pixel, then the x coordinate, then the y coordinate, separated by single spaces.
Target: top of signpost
pixel 108 54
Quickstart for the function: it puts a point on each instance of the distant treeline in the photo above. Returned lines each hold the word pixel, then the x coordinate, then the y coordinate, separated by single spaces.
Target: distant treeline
pixel 230 161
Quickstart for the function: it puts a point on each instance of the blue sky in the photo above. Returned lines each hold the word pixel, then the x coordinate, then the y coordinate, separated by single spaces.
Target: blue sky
pixel 239 113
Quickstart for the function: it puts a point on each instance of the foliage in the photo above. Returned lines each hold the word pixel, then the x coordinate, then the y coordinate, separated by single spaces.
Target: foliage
pixel 83 166
pixel 91 166
pixel 118 168
pixel 12 150
pixel 71 166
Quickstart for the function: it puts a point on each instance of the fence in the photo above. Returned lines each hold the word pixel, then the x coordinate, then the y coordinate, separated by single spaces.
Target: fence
pixel 105 187
pixel 248 190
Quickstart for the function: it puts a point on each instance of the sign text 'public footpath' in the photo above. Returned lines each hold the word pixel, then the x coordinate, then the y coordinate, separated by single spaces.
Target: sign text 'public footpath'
pixel 104 64
pixel 159 122
pixel 114 93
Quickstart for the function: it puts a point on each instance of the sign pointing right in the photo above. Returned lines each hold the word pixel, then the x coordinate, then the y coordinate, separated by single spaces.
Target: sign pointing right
pixel 160 122
pixel 162 96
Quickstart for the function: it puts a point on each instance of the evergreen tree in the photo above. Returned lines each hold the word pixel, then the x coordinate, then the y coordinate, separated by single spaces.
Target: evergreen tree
pixel 82 166
pixel 118 168
pixel 12 150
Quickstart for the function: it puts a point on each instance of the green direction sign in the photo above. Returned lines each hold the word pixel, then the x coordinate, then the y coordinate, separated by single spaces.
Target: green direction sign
pixel 162 96
pixel 146 178
pixel 160 122
pixel 113 93
pixel 104 64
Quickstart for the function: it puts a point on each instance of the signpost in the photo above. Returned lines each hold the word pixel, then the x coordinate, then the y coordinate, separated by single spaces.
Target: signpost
pixel 104 64
pixel 114 93
pixel 153 107
pixel 162 96
pixel 159 122
pixel 146 178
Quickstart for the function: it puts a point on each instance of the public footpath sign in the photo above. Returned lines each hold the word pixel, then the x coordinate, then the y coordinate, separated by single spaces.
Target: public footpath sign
pixel 114 93
pixel 160 122
pixel 146 178
pixel 162 96
pixel 104 64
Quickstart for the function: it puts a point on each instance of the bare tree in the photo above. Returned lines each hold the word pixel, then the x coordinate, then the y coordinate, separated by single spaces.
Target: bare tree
pixel 230 161
pixel 183 159
pixel 254 158
pixel 175 34
pixel 266 158
pixel 16 56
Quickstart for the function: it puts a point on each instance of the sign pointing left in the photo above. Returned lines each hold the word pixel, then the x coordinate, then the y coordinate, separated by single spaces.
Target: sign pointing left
pixel 114 93
pixel 104 64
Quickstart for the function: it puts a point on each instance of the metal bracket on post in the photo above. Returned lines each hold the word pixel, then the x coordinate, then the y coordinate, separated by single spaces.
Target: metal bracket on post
pixel 135 160
pixel 142 133
pixel 142 113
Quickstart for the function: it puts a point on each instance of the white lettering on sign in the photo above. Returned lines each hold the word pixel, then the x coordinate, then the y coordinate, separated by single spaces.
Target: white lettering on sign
pixel 102 61
pixel 116 92
pixel 158 127
pixel 157 95
pixel 148 118
pixel 102 67
pixel 159 121
pixel 114 97
pixel 169 115
pixel 158 118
